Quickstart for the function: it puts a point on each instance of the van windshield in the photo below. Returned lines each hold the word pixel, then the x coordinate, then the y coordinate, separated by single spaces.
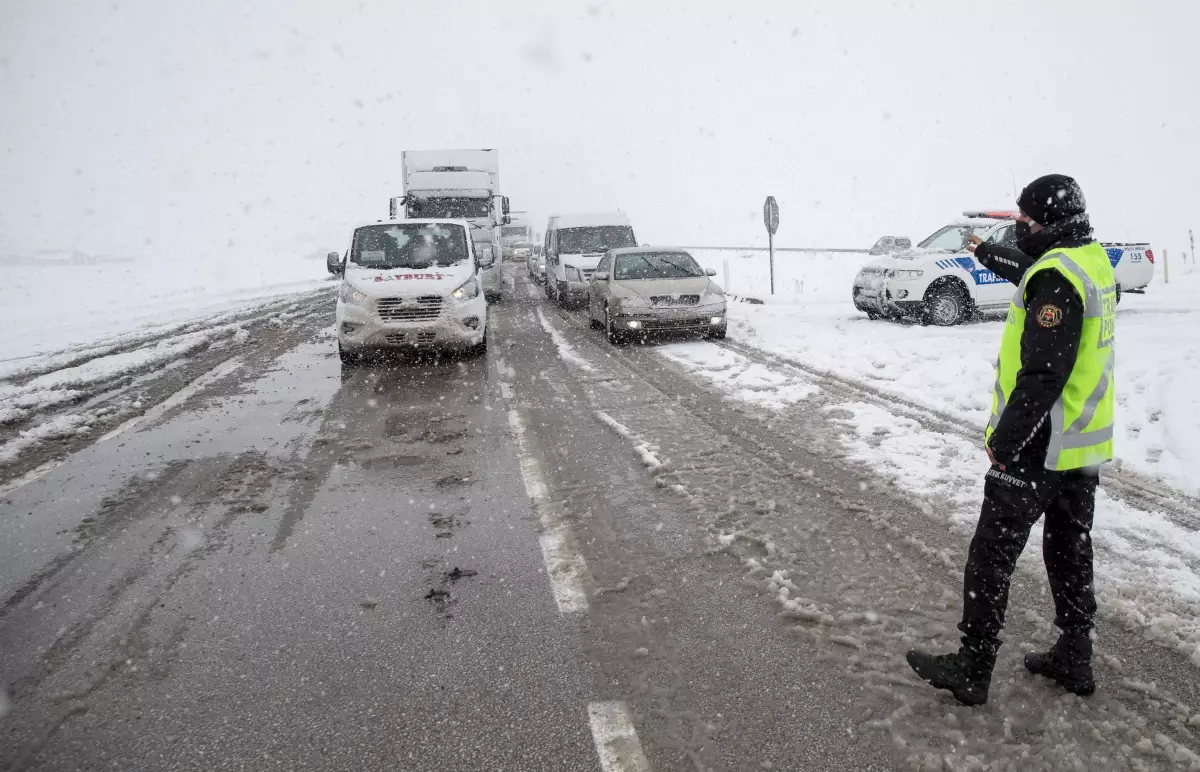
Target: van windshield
pixel 415 245
pixel 601 238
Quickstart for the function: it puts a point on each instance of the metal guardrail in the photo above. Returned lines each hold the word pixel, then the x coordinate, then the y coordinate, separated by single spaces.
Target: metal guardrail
pixel 778 249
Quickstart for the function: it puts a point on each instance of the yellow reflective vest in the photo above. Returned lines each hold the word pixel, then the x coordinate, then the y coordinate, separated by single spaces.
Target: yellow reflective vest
pixel 1082 418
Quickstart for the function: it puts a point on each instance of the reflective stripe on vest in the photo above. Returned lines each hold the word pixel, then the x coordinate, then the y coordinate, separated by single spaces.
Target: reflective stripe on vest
pixel 1082 418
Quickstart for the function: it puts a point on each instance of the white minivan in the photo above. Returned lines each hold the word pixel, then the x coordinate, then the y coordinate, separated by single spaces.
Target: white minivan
pixel 411 284
pixel 574 245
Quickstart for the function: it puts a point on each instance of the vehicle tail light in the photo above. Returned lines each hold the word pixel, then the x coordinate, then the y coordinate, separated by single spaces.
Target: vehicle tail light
pixel 1150 256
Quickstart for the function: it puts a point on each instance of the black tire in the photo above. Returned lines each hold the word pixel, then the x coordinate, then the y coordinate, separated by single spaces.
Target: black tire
pixel 560 293
pixel 592 321
pixel 872 315
pixel 480 348
pixel 614 337
pixel 348 359
pixel 719 334
pixel 1119 294
pixel 945 306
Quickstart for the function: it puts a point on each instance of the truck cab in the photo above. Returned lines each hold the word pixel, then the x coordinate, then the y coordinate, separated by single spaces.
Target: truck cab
pixel 463 185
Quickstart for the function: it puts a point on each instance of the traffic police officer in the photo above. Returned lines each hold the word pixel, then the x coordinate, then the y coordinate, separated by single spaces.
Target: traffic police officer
pixel 1051 428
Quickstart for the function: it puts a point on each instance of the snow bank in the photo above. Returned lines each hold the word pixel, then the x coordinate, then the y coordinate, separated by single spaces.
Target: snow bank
pixel 48 306
pixel 950 369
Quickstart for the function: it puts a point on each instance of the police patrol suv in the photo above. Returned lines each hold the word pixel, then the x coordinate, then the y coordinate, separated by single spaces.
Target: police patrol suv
pixel 940 282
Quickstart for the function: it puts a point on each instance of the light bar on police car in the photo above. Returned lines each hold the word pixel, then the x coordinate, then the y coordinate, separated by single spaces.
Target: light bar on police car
pixel 992 215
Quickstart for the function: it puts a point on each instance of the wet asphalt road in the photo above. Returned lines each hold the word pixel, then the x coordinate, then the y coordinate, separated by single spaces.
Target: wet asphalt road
pixel 305 567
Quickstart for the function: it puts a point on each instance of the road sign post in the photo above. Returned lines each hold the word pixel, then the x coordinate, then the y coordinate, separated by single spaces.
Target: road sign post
pixel 1192 239
pixel 771 220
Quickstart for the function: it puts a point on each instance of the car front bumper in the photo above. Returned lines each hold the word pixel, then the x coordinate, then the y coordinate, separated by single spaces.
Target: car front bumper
pixel 666 320
pixel 458 326
pixel 878 296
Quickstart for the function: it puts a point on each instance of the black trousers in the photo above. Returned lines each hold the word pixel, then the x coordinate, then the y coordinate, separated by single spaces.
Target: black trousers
pixel 1013 500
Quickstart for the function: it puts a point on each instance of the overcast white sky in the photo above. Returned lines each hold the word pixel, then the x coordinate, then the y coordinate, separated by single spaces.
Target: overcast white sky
pixel 189 128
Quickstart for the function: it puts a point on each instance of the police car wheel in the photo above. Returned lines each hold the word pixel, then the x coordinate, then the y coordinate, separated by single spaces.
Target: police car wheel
pixel 945 307
pixel 1118 293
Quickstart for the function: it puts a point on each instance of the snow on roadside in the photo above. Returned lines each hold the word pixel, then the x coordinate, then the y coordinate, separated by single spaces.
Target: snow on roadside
pixel 1147 568
pixel 950 369
pixel 106 376
pixel 49 306
pixel 746 380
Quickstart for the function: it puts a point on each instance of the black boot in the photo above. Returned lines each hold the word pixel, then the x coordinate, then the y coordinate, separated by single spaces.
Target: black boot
pixel 966 674
pixel 1069 663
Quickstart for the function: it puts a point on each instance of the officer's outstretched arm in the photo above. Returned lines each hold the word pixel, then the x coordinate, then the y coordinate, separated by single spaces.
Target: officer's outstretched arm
pixel 1049 344
pixel 1006 262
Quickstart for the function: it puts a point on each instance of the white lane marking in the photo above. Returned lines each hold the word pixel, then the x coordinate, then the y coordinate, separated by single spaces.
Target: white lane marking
pixel 565 566
pixel 156 412
pixel 616 739
pixel 29 477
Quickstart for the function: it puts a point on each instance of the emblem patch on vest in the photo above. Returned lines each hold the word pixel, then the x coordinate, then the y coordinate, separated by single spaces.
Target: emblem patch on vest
pixel 1049 315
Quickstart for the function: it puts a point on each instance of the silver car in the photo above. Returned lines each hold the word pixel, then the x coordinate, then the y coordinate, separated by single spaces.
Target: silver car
pixel 639 291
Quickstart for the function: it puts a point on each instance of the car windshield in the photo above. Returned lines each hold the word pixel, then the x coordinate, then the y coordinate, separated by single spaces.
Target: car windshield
pixel 409 245
pixel 448 208
pixel 656 265
pixel 596 238
pixel 953 238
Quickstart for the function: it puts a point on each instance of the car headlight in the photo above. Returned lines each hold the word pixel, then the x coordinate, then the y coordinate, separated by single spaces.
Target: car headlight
pixel 908 274
pixel 629 301
pixel 351 296
pixel 469 289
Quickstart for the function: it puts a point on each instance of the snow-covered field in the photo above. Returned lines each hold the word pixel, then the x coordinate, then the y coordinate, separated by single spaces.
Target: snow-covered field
pixel 48 305
pixel 811 319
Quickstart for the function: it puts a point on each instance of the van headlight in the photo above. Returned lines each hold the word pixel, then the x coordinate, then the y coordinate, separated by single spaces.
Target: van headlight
pixel 908 274
pixel 468 290
pixel 351 296
pixel 573 274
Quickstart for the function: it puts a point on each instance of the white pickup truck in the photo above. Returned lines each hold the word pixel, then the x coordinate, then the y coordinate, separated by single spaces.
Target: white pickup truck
pixel 940 282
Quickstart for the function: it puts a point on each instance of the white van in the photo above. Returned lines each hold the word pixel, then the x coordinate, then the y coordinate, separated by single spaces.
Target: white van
pixel 411 284
pixel 574 245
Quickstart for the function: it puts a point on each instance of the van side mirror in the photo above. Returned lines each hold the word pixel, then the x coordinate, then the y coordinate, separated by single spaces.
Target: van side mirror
pixel 600 276
pixel 505 206
pixel 333 261
pixel 709 272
